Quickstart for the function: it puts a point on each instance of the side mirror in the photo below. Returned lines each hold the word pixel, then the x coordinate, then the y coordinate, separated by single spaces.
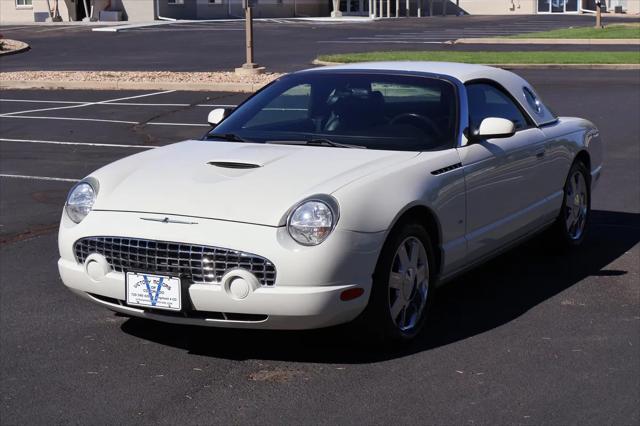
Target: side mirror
pixel 494 127
pixel 217 115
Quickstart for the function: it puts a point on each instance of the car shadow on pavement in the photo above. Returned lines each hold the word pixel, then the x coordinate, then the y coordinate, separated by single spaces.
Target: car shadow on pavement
pixel 485 298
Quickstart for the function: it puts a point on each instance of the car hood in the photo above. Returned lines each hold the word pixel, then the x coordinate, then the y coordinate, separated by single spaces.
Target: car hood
pixel 242 182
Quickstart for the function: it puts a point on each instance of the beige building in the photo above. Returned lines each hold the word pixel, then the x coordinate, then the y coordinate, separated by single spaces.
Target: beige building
pixel 149 10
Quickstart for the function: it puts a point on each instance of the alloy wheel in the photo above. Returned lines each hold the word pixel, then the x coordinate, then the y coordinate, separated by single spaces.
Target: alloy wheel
pixel 576 205
pixel 408 284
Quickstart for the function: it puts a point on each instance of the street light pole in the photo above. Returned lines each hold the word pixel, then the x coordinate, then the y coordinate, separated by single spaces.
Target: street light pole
pixel 249 67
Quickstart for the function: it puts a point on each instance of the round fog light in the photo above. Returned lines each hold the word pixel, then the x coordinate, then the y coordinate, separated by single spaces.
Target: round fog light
pixel 239 283
pixel 239 288
pixel 96 267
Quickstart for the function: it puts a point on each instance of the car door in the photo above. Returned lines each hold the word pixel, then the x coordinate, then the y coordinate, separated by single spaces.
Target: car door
pixel 500 173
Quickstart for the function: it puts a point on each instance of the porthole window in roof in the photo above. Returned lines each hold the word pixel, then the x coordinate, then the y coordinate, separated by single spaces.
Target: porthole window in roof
pixel 532 100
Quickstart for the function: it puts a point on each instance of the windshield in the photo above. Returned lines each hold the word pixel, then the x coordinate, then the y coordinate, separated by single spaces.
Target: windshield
pixel 374 111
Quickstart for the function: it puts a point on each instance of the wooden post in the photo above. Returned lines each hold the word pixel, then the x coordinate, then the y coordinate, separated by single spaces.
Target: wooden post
pixel 598 14
pixel 249 67
pixel 248 27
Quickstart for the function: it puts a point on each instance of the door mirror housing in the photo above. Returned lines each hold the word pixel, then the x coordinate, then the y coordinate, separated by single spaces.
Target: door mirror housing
pixel 495 127
pixel 217 115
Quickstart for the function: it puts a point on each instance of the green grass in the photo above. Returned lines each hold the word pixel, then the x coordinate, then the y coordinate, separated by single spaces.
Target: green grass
pixel 548 57
pixel 610 31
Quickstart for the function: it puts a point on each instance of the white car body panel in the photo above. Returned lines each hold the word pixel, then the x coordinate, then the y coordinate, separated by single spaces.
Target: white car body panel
pixel 262 195
pixel 485 197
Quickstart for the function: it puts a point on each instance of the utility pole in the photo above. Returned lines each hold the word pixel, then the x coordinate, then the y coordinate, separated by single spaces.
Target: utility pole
pixel 598 14
pixel 249 67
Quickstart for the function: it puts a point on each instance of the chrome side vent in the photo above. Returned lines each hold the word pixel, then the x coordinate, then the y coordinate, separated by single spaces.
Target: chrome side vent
pixel 233 165
pixel 446 169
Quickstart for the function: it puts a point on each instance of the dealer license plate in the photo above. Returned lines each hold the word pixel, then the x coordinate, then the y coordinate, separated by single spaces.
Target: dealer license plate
pixel 153 291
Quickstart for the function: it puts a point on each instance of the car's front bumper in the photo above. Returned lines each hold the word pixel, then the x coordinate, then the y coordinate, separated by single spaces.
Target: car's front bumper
pixel 308 284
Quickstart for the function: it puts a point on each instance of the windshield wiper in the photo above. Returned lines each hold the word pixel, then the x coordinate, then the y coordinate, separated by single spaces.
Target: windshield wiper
pixel 316 142
pixel 231 137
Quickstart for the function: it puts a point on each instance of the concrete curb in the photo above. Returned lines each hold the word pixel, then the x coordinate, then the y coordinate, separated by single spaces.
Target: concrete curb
pixel 22 47
pixel 123 27
pixel 550 41
pixel 535 66
pixel 325 63
pixel 130 85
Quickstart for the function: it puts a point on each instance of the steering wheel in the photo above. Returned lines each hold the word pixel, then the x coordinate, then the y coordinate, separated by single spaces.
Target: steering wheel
pixel 423 122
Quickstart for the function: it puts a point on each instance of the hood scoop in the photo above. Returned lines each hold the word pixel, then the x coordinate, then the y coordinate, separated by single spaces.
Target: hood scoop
pixel 234 165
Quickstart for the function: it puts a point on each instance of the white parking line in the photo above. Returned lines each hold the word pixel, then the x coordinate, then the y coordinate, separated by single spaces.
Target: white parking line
pixel 39 101
pixel 100 120
pixel 157 123
pixel 78 143
pixel 87 103
pixel 38 178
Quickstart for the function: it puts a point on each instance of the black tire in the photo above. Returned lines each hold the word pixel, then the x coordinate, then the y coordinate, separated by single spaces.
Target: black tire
pixel 375 324
pixel 565 237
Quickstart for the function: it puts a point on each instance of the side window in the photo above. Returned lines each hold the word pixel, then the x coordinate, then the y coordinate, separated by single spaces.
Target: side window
pixel 486 101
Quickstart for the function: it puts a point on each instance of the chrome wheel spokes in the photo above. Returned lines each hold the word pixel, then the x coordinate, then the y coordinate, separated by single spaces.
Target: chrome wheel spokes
pixel 408 284
pixel 576 205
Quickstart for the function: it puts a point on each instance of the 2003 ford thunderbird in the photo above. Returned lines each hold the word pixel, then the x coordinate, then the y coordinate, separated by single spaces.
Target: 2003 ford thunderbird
pixel 331 195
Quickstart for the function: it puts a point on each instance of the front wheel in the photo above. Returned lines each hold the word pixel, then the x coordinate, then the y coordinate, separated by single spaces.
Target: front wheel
pixel 402 286
pixel 572 224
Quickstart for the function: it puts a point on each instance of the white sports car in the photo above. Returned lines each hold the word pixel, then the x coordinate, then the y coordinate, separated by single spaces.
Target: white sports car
pixel 333 194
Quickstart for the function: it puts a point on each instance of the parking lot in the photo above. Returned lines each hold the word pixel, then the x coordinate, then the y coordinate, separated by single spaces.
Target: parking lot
pixel 280 45
pixel 532 337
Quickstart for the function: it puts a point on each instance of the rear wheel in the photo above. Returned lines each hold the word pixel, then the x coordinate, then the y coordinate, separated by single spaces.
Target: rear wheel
pixel 402 286
pixel 572 224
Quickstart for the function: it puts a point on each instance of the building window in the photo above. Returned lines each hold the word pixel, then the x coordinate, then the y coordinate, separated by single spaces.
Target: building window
pixel 215 1
pixel 24 3
pixel 175 1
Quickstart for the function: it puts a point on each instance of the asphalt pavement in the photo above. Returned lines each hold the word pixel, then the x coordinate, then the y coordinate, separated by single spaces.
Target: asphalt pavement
pixel 532 337
pixel 281 45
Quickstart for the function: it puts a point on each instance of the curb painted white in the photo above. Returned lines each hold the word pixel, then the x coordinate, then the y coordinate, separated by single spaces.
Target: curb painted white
pixel 22 47
pixel 535 66
pixel 582 41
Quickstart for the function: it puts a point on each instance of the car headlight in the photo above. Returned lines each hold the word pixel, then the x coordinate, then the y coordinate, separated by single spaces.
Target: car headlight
pixel 311 222
pixel 80 201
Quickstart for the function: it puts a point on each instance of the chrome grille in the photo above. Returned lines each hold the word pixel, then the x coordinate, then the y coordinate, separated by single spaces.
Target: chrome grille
pixel 199 264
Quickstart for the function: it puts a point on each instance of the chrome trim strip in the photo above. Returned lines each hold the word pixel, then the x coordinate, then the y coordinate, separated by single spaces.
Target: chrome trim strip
pixel 167 220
